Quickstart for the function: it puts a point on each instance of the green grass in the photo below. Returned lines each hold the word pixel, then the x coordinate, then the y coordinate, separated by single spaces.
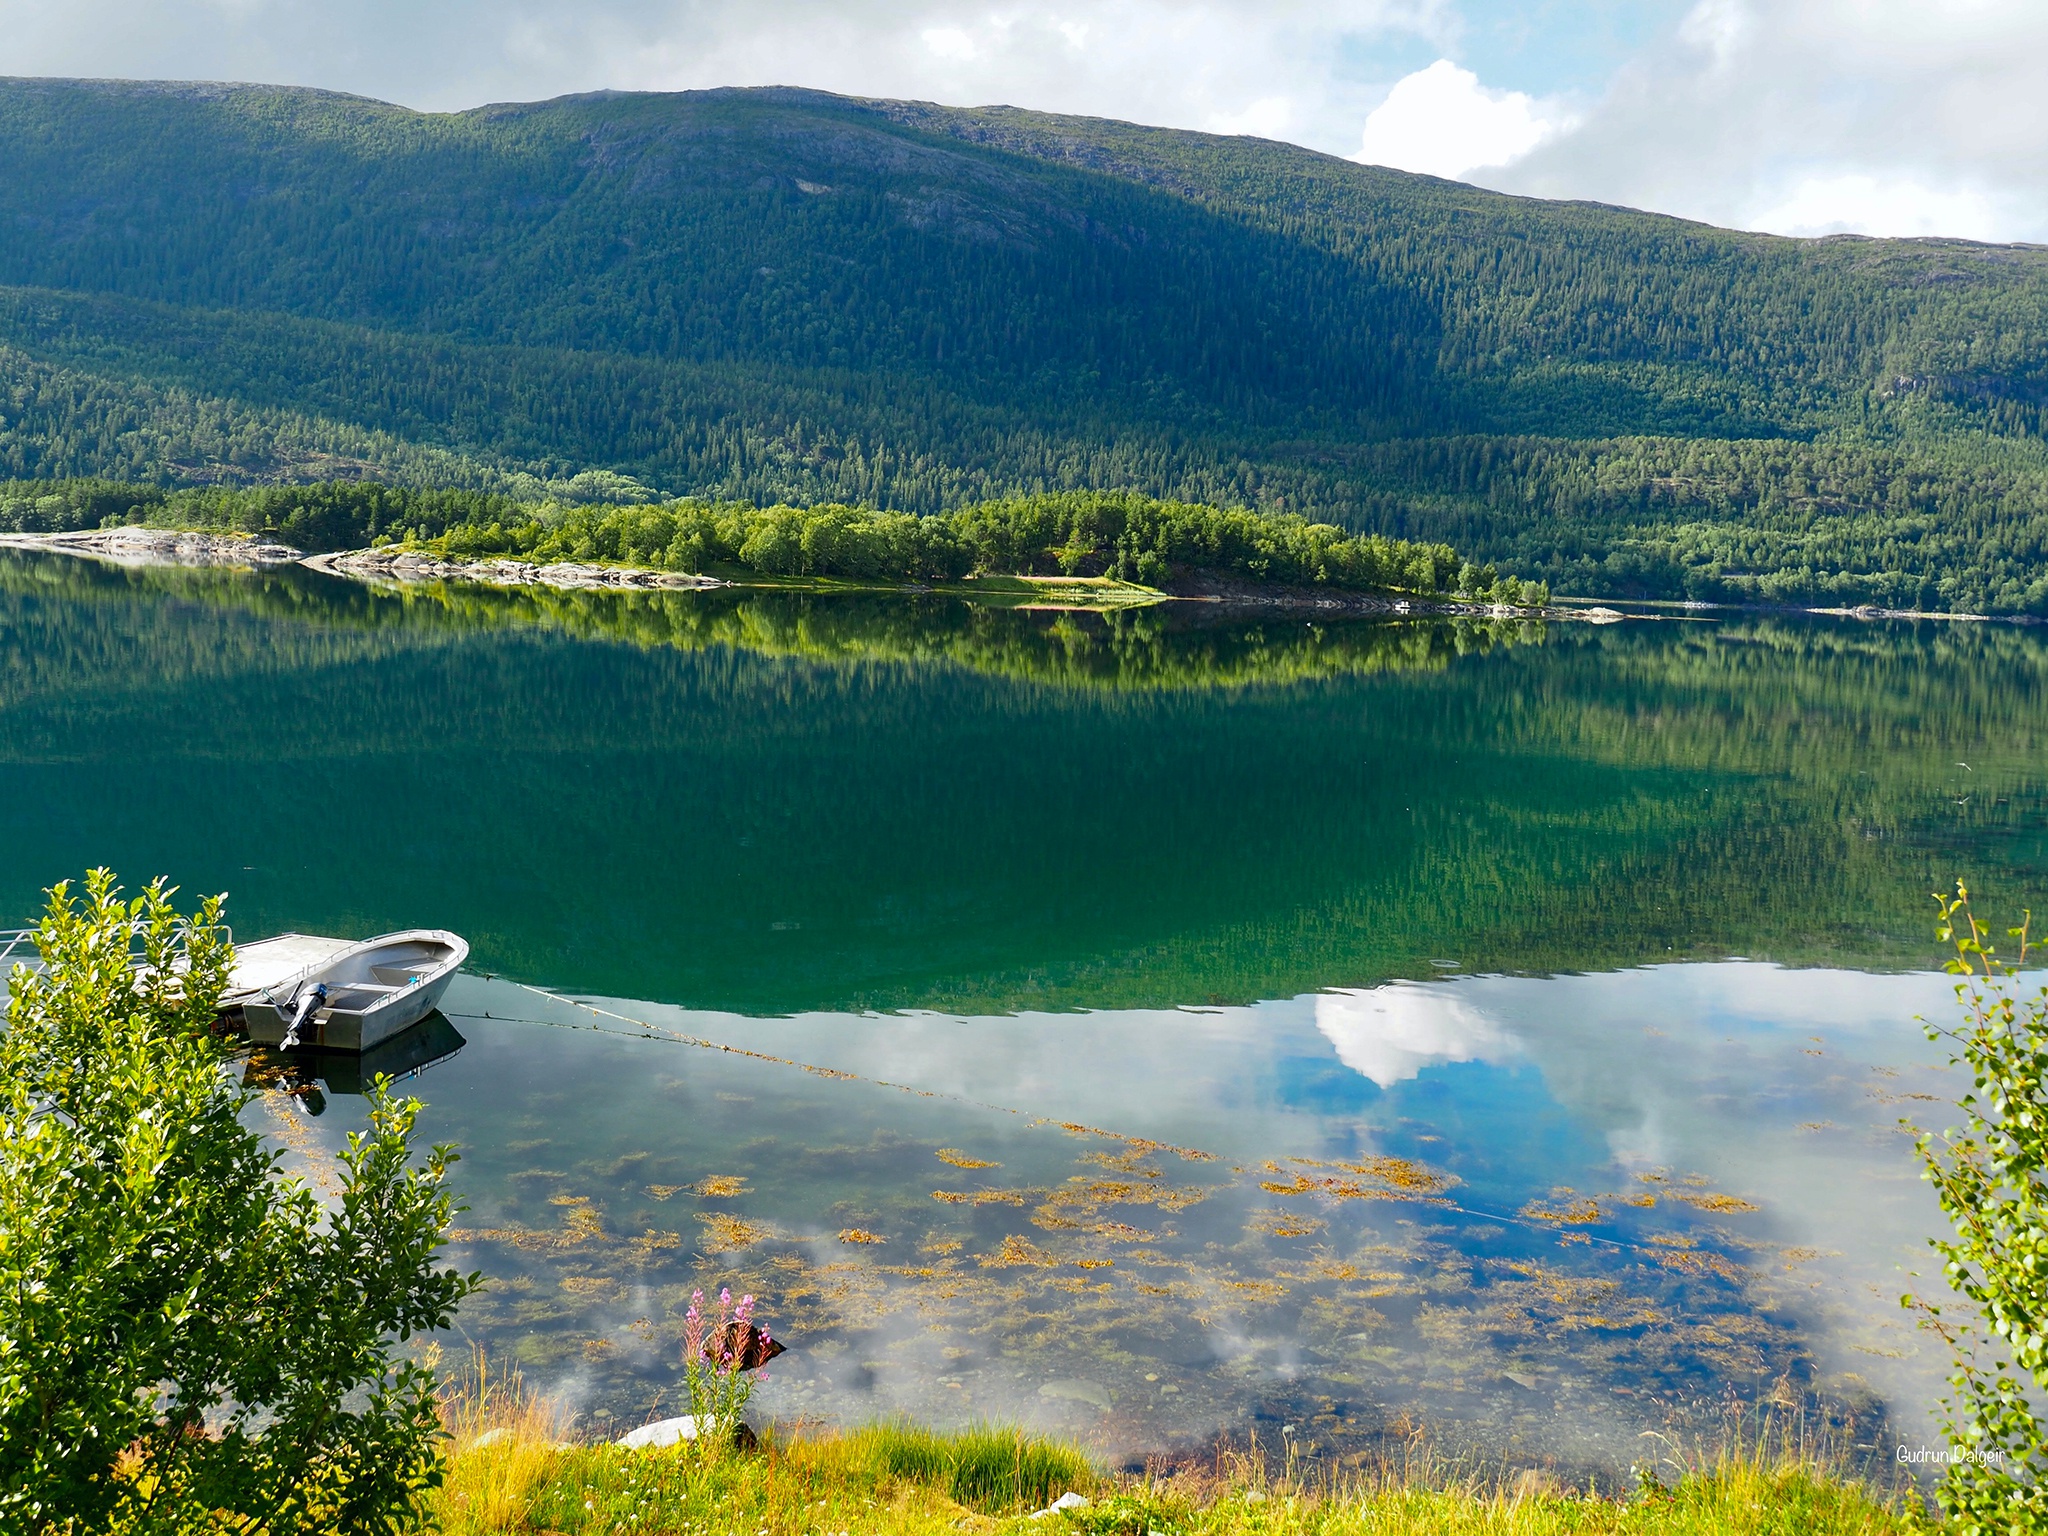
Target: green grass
pixel 900 1478
pixel 988 1468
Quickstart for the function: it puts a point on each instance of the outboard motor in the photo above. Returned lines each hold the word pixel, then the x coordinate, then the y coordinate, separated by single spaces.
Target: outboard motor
pixel 309 1004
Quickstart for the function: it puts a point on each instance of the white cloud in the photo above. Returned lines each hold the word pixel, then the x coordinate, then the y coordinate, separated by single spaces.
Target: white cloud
pixel 950 43
pixel 1716 27
pixel 1811 116
pixel 1270 117
pixel 1860 201
pixel 1443 122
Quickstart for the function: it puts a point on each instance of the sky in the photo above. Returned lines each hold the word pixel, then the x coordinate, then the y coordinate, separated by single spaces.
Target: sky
pixel 1890 117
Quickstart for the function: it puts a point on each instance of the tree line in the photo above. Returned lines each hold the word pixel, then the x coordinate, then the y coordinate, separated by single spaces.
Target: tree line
pixel 1122 535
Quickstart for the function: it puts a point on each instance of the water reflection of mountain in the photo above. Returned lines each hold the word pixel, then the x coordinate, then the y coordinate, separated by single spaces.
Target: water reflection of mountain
pixel 776 802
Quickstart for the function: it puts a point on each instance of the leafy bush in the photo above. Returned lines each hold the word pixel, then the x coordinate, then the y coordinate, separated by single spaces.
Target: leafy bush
pixel 1991 1177
pixel 190 1339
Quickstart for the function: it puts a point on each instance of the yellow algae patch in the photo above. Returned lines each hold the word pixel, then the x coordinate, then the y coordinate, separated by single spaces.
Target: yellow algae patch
pixel 725 1233
pixel 1401 1174
pixel 960 1159
pixel 663 1191
pixel 591 1285
pixel 1699 1262
pixel 1139 1145
pixel 1086 1194
pixel 1719 1204
pixel 649 1243
pixel 979 1196
pixel 1395 1178
pixel 720 1186
pixel 1095 1263
pixel 1019 1250
pixel 1257 1290
pixel 1123 1233
pixel 1794 1257
pixel 1574 1213
pixel 861 1235
pixel 1300 1184
pixel 1129 1161
pixel 1285 1224
pixel 580 1225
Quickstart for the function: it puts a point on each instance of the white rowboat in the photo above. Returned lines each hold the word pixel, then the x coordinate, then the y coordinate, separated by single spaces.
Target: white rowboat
pixel 373 991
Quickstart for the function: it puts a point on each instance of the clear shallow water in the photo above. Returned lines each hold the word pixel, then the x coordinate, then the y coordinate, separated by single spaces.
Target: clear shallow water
pixel 1505 1207
pixel 1346 1026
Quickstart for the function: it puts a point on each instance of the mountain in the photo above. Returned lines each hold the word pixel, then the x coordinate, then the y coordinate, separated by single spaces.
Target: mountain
pixel 786 294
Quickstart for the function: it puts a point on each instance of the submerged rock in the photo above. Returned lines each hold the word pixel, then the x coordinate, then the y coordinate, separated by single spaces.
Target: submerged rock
pixel 1076 1390
pixel 751 1346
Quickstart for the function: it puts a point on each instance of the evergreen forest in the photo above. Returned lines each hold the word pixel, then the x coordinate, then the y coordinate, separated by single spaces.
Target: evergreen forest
pixel 784 297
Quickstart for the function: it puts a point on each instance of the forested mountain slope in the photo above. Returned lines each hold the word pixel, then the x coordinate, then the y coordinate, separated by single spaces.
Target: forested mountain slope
pixel 784 294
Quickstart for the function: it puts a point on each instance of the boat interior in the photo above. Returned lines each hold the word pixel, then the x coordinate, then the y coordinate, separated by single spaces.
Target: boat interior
pixel 357 982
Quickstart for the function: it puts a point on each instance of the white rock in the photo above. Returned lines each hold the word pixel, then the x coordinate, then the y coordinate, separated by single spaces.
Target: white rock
pixel 489 1437
pixel 661 1432
pixel 1064 1501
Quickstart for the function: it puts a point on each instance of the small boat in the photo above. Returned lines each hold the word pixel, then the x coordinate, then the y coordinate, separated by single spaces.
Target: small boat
pixel 359 997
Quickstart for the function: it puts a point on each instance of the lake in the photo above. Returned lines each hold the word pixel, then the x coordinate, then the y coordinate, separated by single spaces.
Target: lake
pixel 1153 1027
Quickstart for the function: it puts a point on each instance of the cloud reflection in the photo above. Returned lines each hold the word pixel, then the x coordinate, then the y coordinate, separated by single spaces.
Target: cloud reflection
pixel 1391 1033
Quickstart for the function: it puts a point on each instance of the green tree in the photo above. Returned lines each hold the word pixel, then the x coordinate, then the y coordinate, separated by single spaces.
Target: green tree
pixel 1991 1177
pixel 191 1338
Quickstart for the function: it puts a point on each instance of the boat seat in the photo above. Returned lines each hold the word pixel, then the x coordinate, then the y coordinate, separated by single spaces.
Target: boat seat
pixel 359 987
pixel 400 976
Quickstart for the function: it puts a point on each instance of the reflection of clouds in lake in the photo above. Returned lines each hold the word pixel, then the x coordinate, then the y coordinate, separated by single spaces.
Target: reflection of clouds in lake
pixel 1782 1086
pixel 1777 1087
pixel 1391 1033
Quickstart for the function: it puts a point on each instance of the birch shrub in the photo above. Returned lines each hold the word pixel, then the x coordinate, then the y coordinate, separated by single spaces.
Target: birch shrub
pixel 192 1339
pixel 1991 1176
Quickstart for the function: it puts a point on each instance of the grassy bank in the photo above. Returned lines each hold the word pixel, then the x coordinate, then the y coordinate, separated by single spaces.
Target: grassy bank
pixel 509 1476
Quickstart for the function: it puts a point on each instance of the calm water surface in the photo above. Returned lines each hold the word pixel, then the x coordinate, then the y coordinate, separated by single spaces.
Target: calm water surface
pixel 1141 1027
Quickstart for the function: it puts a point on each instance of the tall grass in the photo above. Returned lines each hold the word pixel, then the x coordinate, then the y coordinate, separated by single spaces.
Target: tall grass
pixel 991 1468
pixel 503 1450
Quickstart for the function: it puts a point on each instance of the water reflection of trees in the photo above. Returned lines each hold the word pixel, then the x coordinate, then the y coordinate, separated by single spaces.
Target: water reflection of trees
pixel 775 800
pixel 1176 646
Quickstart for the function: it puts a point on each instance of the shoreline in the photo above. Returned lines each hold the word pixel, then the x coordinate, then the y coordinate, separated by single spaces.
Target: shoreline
pixel 401 565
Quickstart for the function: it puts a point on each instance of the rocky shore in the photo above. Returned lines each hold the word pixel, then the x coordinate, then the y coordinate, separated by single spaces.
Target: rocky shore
pixel 398 564
pixel 159 546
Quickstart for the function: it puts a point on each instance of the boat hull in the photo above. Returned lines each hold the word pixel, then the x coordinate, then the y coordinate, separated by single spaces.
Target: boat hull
pixel 378 990
pixel 346 1029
